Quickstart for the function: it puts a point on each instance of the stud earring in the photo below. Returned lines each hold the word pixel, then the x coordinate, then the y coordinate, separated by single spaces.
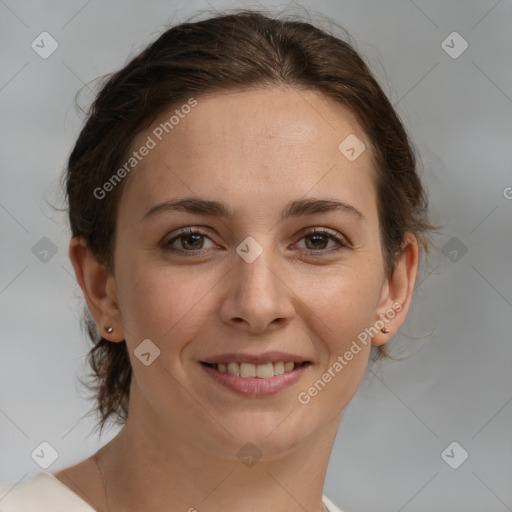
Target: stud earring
pixel 384 330
pixel 109 330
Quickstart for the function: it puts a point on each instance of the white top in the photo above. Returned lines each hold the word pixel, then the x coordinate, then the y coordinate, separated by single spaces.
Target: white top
pixel 46 493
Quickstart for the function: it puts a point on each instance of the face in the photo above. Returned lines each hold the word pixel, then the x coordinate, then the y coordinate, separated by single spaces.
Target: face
pixel 253 282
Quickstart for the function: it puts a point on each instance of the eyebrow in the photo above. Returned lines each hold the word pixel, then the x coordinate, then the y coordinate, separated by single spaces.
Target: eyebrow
pixel 297 208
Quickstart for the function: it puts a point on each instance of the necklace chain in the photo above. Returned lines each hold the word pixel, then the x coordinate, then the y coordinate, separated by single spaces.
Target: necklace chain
pixel 105 489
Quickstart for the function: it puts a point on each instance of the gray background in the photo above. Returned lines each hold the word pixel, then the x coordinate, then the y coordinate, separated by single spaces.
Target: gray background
pixel 456 384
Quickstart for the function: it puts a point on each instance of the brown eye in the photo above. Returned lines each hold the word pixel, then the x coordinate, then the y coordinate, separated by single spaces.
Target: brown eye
pixel 318 240
pixel 189 240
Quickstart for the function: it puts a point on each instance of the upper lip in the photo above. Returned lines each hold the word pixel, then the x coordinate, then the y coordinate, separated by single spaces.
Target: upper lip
pixel 266 357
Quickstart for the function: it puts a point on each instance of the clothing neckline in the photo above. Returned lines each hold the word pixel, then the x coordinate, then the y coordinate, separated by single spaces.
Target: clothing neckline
pixel 69 492
pixel 80 501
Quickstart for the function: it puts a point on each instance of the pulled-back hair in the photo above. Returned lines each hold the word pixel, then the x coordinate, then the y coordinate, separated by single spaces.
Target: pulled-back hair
pixel 241 50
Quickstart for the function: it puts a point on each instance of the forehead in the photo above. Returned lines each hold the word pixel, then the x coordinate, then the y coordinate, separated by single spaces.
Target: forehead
pixel 260 146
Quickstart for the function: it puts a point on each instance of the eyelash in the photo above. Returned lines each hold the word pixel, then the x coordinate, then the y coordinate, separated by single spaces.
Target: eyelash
pixel 315 231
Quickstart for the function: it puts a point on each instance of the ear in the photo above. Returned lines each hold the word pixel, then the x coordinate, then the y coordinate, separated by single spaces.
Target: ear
pixel 397 291
pixel 99 289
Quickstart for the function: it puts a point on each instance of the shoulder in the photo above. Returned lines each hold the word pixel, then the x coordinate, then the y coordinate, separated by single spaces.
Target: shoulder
pixel 41 493
pixel 329 504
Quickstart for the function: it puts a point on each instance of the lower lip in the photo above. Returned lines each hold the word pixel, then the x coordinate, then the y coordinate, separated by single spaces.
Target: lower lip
pixel 254 386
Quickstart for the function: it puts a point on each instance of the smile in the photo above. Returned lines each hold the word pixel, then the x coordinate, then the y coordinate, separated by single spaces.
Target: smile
pixel 256 380
pixel 261 371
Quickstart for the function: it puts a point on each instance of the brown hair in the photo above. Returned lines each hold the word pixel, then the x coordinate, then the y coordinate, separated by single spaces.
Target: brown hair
pixel 234 51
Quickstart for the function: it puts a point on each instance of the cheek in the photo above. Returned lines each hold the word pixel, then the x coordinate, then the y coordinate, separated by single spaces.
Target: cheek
pixel 162 303
pixel 343 308
pixel 344 300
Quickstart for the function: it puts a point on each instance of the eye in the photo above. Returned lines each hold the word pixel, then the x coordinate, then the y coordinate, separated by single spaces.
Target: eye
pixel 319 239
pixel 190 239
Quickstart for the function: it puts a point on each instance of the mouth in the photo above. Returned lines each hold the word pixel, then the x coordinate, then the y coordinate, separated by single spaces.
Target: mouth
pixel 256 380
pixel 260 371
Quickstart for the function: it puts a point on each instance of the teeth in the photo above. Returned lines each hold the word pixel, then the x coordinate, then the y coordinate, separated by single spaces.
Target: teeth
pixel 263 371
pixel 288 367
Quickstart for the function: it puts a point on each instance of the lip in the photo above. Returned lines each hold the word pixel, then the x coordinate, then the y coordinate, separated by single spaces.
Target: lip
pixel 266 357
pixel 254 386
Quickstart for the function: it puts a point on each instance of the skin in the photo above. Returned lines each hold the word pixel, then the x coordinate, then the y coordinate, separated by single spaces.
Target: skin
pixel 255 150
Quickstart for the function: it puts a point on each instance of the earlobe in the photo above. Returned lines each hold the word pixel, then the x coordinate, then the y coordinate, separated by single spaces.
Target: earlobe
pixel 397 292
pixel 98 287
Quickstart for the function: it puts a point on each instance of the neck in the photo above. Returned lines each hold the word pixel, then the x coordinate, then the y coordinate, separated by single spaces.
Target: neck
pixel 154 467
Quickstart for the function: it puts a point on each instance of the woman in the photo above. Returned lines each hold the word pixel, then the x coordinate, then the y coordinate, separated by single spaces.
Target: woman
pixel 247 224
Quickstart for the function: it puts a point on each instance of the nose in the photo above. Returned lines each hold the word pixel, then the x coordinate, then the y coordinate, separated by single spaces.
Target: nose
pixel 257 296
